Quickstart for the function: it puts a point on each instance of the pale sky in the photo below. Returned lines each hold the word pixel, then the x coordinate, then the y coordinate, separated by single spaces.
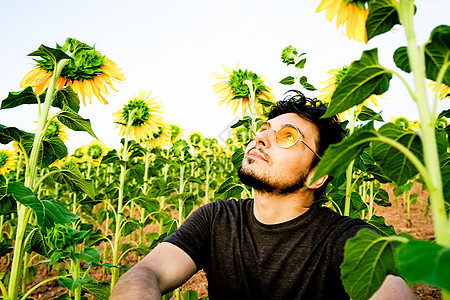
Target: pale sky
pixel 173 47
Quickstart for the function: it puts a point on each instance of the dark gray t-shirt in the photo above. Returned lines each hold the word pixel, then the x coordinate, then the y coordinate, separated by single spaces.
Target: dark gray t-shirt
pixel 246 259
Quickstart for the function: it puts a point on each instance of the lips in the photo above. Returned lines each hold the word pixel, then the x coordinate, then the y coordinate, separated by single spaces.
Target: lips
pixel 255 154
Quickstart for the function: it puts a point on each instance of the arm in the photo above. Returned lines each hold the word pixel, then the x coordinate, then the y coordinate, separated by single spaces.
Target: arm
pixel 162 270
pixel 393 287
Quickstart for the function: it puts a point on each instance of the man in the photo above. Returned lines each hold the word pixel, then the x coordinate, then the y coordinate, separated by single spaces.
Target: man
pixel 278 245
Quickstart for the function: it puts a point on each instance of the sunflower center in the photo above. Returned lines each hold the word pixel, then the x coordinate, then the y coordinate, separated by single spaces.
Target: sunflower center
pixel 195 139
pixel 402 122
pixel 3 158
pixel 240 89
pixel 174 131
pixel 95 151
pixel 141 115
pixel 158 134
pixel 53 129
pixel 78 153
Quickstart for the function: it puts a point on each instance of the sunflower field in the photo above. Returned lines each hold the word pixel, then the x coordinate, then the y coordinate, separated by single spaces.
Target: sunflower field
pixel 85 212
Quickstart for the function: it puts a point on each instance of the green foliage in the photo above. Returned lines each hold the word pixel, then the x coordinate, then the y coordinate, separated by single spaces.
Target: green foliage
pixel 75 122
pixel 54 55
pixel 48 212
pixel 382 17
pixel 393 161
pixel 425 262
pixel 100 291
pixel 66 99
pixel 27 96
pixel 368 259
pixel 365 77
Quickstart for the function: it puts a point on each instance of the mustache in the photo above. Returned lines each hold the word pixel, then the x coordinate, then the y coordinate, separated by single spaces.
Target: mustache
pixel 260 150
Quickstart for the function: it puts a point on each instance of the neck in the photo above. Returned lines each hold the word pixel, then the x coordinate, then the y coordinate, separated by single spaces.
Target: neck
pixel 273 208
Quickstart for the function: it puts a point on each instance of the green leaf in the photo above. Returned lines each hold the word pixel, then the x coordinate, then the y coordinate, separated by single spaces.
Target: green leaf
pixel 338 156
pixel 150 204
pixel 382 198
pixel 301 64
pixel 190 295
pixel 100 291
pixel 52 149
pixel 12 134
pixel 288 80
pixel 48 212
pixel 7 204
pixel 89 255
pixel 401 59
pixel 36 242
pixel 379 225
pixel 75 180
pixel 54 54
pixel 6 247
pixel 368 259
pixel 382 17
pixel 129 227
pixel 230 189
pixel 437 53
pixel 392 161
pixel 367 114
pixel 365 77
pixel 425 262
pixel 237 158
pixel 306 85
pixel 111 158
pixel 445 175
pixel 72 285
pixel 75 122
pixel 14 99
pixel 95 238
pixel 66 99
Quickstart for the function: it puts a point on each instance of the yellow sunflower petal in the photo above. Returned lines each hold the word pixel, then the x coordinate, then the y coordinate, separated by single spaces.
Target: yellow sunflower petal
pixel 221 76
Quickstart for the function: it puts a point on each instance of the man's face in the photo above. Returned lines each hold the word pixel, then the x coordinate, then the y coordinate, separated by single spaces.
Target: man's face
pixel 269 168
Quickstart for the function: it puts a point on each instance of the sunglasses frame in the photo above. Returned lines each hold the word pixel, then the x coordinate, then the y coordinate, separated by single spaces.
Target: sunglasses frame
pixel 276 132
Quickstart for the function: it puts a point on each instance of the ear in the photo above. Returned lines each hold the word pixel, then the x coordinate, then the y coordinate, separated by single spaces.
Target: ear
pixel 318 183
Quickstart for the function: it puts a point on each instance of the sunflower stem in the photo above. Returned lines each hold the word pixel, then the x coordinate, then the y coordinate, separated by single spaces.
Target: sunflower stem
pixel 349 171
pixel 427 120
pixel 30 179
pixel 119 214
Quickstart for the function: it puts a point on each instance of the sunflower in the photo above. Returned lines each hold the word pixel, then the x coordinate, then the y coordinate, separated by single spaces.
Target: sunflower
pixel 94 151
pixel 195 139
pixel 161 137
pixel 444 90
pixel 87 72
pixel 415 125
pixel 56 129
pixel 7 161
pixel 350 14
pixel 336 77
pixel 402 122
pixel 146 118
pixel 176 132
pixel 79 155
pixel 235 91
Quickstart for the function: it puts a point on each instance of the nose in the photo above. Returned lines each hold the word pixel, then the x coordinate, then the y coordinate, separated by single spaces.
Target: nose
pixel 263 138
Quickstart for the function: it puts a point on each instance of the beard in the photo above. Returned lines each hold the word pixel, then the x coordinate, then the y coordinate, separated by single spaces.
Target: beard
pixel 267 185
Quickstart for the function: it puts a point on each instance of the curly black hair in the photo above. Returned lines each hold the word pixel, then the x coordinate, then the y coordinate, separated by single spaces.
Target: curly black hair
pixel 330 129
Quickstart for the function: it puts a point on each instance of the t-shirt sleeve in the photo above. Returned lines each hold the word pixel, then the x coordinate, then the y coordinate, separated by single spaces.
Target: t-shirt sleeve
pixel 194 235
pixel 348 231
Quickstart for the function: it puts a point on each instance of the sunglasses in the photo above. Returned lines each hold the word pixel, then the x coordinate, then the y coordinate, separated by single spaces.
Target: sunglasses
pixel 287 136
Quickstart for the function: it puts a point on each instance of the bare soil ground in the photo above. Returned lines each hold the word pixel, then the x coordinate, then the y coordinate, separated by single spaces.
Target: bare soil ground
pixel 395 215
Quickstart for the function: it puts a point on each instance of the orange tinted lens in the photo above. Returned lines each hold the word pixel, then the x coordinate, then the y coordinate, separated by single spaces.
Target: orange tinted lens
pixel 287 136
pixel 263 127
